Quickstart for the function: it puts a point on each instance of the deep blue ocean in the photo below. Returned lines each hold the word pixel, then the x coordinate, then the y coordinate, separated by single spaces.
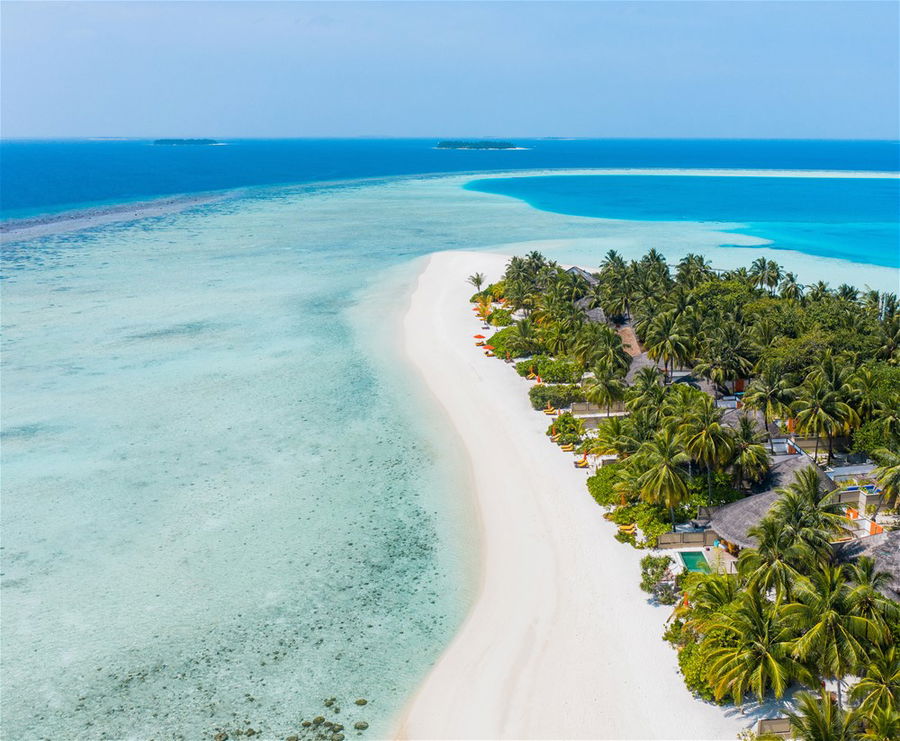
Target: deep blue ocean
pixel 47 176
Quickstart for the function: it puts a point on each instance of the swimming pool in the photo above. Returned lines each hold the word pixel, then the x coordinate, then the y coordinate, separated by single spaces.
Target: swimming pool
pixel 695 561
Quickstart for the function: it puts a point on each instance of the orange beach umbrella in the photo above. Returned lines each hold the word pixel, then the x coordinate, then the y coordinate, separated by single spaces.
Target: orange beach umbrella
pixel 478 336
pixel 489 347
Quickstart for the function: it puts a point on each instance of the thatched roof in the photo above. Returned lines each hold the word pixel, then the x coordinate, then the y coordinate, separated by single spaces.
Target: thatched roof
pixel 590 279
pixel 884 549
pixel 732 521
pixel 732 418
pixel 698 382
pixel 637 362
pixel 595 314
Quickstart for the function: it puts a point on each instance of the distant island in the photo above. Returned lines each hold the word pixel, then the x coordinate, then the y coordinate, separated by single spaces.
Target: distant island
pixel 454 144
pixel 184 142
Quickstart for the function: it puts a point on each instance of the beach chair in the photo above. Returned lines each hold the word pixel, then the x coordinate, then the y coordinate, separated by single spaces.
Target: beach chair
pixel 583 463
pixel 568 448
pixel 555 438
pixel 489 354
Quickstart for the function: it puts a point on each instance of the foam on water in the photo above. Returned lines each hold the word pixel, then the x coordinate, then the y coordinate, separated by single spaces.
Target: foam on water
pixel 226 496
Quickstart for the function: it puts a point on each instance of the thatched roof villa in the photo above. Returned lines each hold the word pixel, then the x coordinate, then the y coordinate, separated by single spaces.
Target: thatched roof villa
pixel 732 521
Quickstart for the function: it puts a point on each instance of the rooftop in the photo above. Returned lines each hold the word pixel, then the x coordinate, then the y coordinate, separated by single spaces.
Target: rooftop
pixel 884 549
pixel 575 270
pixel 732 521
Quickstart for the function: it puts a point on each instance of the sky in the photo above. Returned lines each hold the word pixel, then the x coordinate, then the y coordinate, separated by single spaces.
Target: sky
pixel 817 70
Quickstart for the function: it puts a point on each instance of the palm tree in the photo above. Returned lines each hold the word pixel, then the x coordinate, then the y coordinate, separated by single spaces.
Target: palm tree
pixel 665 340
pixel 882 725
pixel 866 596
pixel 628 482
pixel 771 394
pixel 887 418
pixel 880 687
pixel 790 289
pixel 771 565
pixel 819 410
pixel 887 475
pixel 830 634
pixel 765 273
pixel 847 293
pixel 597 343
pixel 819 718
pixel 889 343
pixel 613 262
pixel 646 381
pixel 864 392
pixel 706 598
pixel 604 387
pixel 477 280
pixel 706 439
pixel 749 459
pixel 810 512
pixel 555 338
pixel 524 340
pixel 818 291
pixel 693 269
pixel 663 481
pixel 764 333
pixel 613 435
pixel 757 651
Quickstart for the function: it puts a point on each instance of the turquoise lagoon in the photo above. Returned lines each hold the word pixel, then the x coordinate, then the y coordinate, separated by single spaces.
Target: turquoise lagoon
pixel 226 496
pixel 856 219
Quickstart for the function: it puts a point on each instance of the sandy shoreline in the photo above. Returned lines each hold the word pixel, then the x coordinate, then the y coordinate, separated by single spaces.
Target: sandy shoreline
pixel 561 642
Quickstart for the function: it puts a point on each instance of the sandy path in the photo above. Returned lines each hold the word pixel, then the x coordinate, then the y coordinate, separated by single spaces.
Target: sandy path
pixel 561 642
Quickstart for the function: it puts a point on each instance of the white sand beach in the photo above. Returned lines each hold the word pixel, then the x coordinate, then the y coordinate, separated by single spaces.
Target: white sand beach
pixel 561 642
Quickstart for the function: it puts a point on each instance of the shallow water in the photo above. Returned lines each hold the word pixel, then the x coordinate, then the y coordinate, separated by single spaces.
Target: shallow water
pixel 225 495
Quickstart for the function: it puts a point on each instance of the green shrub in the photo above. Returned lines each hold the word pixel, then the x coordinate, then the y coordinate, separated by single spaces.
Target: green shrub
pixel 524 367
pixel 674 634
pixel 550 370
pixel 569 428
pixel 600 485
pixel 650 518
pixel 693 661
pixel 653 569
pixel 497 290
pixel 499 340
pixel 558 396
pixel 500 318
pixel 628 538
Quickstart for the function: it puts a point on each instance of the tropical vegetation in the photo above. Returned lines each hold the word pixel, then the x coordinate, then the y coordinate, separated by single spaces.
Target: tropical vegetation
pixel 820 363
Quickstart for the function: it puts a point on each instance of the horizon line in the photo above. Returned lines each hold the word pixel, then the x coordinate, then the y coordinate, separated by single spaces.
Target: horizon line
pixel 391 137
